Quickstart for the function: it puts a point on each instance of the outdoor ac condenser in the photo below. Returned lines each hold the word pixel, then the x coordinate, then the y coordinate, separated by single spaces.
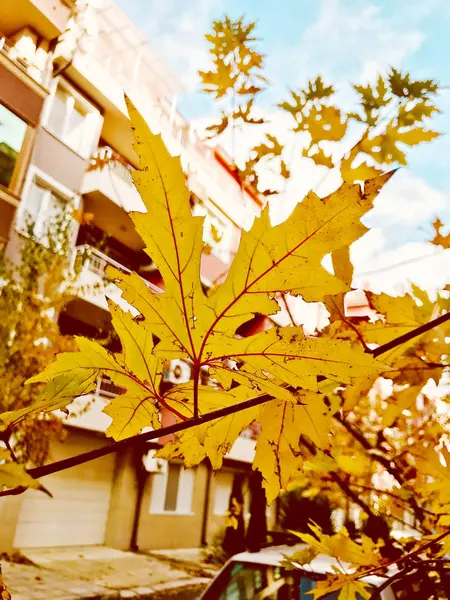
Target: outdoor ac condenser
pixel 178 372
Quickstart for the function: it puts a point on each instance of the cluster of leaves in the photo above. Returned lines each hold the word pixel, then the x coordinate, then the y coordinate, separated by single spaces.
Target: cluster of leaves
pixel 360 565
pixel 31 296
pixel 327 421
pixel 236 73
pixel 186 323
pixel 390 115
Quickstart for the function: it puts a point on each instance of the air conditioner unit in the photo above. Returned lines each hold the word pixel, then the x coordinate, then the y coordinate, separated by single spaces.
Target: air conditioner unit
pixel 152 464
pixel 178 372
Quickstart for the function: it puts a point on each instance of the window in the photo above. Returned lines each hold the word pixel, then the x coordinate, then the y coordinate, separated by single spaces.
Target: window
pixel 43 204
pixel 71 118
pixel 172 490
pixel 12 134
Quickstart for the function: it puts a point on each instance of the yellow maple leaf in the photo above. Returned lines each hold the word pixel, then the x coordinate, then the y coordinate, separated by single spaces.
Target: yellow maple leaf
pixel 213 439
pixel 136 369
pixel 342 547
pixel 287 257
pixel 324 123
pixel 439 239
pixel 400 315
pixel 278 453
pixel 287 355
pixel 173 239
pixel 349 587
pixel 400 401
pixel 188 324
pixel 13 474
pixel 355 463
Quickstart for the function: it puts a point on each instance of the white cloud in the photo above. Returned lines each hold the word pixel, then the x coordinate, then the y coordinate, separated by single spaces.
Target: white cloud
pixel 355 39
pixel 393 270
pixel 408 200
pixel 176 30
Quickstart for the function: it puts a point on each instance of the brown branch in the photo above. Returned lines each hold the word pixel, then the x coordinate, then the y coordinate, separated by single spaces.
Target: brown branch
pixel 80 459
pixel 398 341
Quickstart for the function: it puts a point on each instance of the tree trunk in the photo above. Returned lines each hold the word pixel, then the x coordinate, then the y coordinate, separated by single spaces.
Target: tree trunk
pixel 257 527
pixel 234 539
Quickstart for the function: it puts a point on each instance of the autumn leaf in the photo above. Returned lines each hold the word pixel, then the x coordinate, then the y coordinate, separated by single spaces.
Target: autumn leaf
pixel 278 453
pixel 439 239
pixel 185 323
pixel 213 439
pixel 348 586
pixel 356 464
pixel 400 401
pixel 287 257
pixel 13 474
pixel 136 370
pixel 287 355
pixel 342 547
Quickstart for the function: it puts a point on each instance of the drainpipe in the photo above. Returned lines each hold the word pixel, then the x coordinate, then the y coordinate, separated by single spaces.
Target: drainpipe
pixel 141 477
pixel 204 536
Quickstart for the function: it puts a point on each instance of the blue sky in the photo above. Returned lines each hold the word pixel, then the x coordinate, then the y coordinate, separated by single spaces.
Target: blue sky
pixel 345 41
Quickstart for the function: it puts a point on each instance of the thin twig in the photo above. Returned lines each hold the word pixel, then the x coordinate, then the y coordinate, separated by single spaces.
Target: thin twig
pixel 410 335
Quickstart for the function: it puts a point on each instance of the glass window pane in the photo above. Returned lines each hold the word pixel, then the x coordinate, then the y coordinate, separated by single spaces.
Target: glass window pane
pixel 12 133
pixel 173 481
pixel 75 129
pixel 58 113
pixel 34 202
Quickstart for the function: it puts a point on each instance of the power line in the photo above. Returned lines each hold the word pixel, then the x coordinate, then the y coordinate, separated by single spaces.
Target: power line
pixel 399 264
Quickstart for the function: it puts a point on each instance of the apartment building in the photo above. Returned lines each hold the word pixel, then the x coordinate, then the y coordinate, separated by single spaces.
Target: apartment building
pixel 66 143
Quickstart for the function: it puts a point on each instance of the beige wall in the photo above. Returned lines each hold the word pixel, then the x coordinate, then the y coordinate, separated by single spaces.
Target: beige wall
pixel 57 160
pixel 164 531
pixel 9 516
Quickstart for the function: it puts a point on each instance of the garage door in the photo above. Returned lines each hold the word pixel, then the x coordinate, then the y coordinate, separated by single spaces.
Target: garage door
pixel 78 512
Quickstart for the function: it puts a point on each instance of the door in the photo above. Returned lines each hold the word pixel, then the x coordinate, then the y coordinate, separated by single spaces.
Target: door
pixel 78 512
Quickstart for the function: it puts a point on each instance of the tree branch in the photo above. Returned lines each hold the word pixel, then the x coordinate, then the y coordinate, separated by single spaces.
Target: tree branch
pixel 398 341
pixel 80 459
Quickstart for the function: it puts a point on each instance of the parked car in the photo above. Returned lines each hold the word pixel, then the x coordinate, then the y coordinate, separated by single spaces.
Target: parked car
pixel 261 576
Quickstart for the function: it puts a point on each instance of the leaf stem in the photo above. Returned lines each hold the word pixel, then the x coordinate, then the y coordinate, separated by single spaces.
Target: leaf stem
pixel 196 374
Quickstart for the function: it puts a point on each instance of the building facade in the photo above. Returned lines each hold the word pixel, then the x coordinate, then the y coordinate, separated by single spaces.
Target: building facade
pixel 65 145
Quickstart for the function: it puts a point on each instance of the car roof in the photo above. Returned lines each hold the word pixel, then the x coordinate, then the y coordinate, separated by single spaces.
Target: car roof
pixel 274 555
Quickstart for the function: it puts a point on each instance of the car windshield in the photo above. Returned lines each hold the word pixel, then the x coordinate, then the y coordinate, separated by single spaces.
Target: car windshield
pixel 249 581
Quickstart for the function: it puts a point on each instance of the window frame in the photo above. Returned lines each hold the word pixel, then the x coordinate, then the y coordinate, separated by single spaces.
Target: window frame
pixel 23 157
pixel 91 113
pixel 158 492
pixel 52 186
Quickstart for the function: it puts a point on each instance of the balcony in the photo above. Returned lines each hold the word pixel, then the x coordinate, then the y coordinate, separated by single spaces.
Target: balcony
pixel 93 283
pixel 32 61
pixel 109 177
pixel 87 411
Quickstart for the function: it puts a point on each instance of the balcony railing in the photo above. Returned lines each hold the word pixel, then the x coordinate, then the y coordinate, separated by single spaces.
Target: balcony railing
pixel 97 262
pixel 105 156
pixel 39 73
